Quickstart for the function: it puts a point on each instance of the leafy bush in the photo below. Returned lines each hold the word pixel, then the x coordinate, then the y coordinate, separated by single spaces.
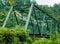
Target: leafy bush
pixel 19 35
pixel 6 34
pixel 15 34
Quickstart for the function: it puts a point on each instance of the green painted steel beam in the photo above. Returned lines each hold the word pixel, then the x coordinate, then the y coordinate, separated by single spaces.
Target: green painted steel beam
pixel 29 15
pixel 3 1
pixel 6 20
pixel 56 27
pixel 51 28
pixel 16 18
pixel 12 20
pixel 42 30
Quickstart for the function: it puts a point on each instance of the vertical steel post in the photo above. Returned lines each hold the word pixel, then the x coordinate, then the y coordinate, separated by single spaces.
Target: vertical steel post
pixel 12 20
pixel 56 27
pixel 5 22
pixel 42 26
pixel 28 19
pixel 51 28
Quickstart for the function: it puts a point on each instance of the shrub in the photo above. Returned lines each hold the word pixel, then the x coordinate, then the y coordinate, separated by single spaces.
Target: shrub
pixel 19 35
pixel 12 36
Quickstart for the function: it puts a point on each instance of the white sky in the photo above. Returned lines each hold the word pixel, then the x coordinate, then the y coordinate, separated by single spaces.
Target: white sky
pixel 48 2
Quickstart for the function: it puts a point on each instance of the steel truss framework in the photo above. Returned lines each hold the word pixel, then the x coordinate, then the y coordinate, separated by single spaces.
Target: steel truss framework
pixel 35 23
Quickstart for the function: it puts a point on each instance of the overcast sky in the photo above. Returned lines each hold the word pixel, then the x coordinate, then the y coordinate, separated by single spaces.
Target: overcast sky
pixel 48 2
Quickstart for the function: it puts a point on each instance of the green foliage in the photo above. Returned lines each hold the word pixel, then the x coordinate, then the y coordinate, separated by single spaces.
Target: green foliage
pixel 19 35
pixel 43 41
pixel 6 33
pixel 11 2
pixel 54 39
pixel 14 35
